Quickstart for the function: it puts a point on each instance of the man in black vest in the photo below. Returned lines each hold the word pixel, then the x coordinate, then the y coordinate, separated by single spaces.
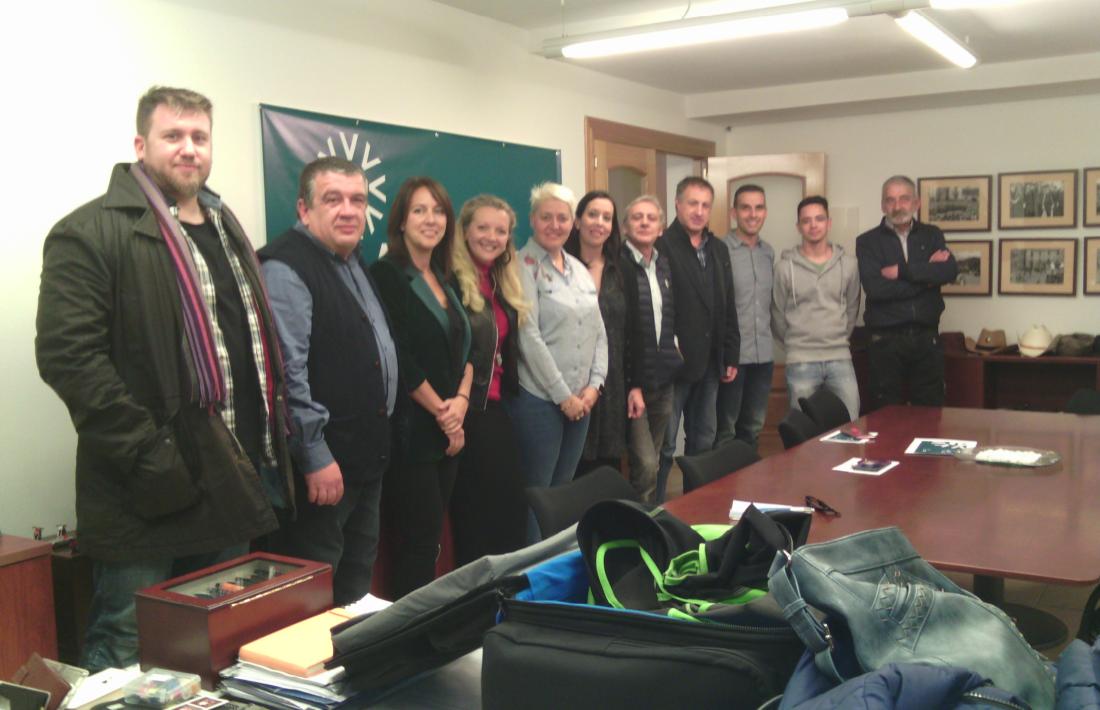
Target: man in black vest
pixel 341 366
pixel 706 322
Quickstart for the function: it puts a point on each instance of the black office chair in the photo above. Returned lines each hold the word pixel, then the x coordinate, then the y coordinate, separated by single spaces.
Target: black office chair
pixel 1084 401
pixel 708 466
pixel 1090 619
pixel 826 409
pixel 559 507
pixel 797 427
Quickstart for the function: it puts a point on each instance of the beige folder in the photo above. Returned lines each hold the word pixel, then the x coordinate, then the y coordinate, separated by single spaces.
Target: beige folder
pixel 300 649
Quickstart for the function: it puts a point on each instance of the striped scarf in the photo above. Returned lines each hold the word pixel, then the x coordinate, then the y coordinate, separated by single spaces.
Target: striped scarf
pixel 196 318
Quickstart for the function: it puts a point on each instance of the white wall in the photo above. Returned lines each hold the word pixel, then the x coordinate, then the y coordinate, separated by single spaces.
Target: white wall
pixel 74 71
pixel 1058 133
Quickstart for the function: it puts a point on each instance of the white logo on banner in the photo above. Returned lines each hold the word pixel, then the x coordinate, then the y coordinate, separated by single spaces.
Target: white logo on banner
pixel 366 163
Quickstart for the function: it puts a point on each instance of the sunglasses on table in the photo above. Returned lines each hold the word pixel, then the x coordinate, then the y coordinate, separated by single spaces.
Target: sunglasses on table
pixel 822 507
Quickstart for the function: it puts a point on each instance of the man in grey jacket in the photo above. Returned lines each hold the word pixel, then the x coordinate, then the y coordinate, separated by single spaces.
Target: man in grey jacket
pixel 814 309
pixel 743 403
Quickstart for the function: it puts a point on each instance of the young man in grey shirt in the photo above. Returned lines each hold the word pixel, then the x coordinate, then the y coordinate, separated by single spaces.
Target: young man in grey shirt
pixel 743 403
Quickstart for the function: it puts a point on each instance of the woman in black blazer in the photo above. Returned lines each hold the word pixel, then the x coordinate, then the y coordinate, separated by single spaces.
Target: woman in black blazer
pixel 433 347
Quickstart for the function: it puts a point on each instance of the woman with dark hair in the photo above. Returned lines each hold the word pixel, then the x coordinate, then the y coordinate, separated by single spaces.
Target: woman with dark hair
pixel 595 240
pixel 433 348
pixel 488 508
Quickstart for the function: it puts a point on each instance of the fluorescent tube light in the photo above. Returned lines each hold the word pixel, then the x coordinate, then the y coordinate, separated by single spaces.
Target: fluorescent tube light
pixel 967 4
pixel 705 33
pixel 928 32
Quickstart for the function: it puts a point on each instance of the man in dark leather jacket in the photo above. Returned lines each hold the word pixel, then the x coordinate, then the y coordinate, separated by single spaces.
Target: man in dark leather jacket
pixel 181 447
pixel 902 264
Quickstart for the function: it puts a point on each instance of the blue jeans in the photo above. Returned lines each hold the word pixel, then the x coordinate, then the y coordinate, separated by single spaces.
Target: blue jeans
pixel 697 402
pixel 112 638
pixel 743 403
pixel 550 445
pixel 804 378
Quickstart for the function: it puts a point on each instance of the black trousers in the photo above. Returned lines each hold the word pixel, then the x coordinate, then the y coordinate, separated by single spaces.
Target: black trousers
pixel 414 498
pixel 911 357
pixel 488 507
pixel 345 535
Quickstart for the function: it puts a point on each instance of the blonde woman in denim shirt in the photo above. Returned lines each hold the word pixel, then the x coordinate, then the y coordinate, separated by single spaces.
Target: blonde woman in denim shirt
pixel 562 345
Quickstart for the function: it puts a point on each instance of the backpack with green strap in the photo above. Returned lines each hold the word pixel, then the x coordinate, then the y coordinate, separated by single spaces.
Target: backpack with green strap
pixel 649 560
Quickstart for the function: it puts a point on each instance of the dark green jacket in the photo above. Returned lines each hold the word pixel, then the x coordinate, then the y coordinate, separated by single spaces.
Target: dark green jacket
pixel 156 475
pixel 423 353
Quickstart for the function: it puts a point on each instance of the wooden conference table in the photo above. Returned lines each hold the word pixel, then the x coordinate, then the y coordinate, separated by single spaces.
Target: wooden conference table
pixel 990 521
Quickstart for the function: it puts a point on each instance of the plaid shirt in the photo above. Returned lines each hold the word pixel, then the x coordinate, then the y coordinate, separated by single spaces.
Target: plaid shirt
pixel 209 296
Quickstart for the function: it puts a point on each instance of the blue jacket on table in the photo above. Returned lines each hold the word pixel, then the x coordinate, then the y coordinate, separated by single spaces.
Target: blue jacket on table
pixel 895 686
pixel 913 299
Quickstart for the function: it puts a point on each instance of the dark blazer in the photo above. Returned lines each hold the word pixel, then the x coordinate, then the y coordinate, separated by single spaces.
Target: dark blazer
pixel 706 315
pixel 420 328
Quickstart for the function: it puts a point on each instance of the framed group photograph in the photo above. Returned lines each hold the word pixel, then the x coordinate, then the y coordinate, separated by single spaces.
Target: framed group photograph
pixel 1038 267
pixel 1046 199
pixel 975 260
pixel 956 204
pixel 1091 286
pixel 1091 197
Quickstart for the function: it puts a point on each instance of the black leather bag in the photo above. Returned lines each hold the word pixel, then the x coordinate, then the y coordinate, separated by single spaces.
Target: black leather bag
pixel 676 617
pixel 552 650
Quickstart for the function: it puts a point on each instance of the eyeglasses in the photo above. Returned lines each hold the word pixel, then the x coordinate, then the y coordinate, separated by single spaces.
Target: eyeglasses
pixel 822 507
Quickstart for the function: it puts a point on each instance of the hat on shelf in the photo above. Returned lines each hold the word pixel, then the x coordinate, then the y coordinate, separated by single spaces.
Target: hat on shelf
pixel 1035 341
pixel 989 342
pixel 1073 344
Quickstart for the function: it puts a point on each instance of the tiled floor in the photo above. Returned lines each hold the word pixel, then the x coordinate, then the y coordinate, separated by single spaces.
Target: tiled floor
pixel 1064 602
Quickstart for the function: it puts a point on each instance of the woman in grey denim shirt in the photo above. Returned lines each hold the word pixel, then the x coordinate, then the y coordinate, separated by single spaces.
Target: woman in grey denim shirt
pixel 562 346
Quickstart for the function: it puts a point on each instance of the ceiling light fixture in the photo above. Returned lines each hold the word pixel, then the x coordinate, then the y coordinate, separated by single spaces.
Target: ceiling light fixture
pixel 688 32
pixel 937 39
pixel 969 4
pixel 764 18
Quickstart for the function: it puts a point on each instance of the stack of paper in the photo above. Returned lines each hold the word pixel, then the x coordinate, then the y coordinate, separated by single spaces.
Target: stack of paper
pixel 283 690
pixel 286 668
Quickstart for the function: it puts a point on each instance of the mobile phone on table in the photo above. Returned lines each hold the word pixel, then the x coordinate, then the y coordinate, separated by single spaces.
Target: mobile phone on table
pixel 870 465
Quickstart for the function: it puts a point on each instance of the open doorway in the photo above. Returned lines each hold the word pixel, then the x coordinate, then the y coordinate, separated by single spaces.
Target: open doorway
pixel 628 161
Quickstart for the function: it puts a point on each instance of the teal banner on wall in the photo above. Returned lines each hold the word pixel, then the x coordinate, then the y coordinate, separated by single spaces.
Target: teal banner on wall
pixel 389 155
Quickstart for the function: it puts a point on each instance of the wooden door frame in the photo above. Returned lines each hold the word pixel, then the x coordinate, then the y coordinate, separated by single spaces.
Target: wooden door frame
pixel 613 132
pixel 807 167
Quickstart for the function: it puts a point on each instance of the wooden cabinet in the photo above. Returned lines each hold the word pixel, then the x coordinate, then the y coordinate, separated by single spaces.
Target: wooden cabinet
pixel 26 602
pixel 1041 384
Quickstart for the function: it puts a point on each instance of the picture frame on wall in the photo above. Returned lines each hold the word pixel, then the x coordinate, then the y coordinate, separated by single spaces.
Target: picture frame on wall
pixel 975 260
pixel 1091 271
pixel 1045 199
pixel 1038 267
pixel 957 203
pixel 1091 198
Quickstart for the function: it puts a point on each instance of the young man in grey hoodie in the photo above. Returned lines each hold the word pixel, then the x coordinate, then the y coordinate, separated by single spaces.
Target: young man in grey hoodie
pixel 814 307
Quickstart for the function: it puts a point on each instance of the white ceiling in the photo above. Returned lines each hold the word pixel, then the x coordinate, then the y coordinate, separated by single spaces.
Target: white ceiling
pixel 1016 46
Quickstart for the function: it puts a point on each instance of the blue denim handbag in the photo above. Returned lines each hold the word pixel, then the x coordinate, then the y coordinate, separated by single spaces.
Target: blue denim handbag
pixel 884 604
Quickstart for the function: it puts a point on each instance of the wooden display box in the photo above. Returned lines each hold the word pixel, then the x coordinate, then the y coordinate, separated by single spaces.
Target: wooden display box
pixel 198 622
